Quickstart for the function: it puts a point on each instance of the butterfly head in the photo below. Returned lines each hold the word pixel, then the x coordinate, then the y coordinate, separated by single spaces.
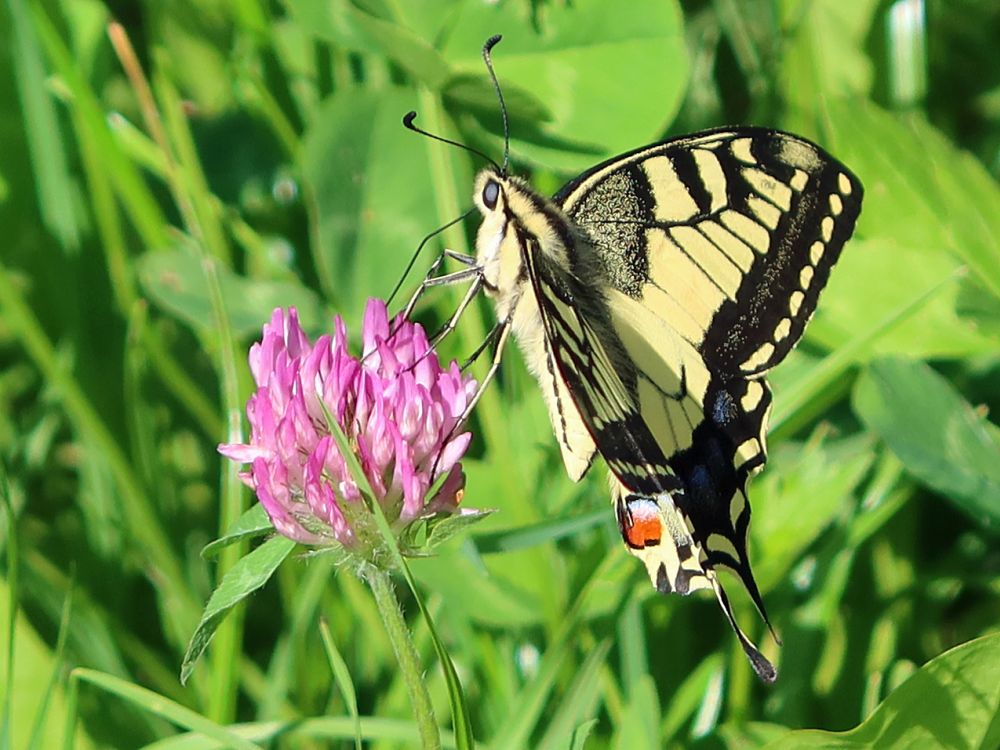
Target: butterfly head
pixel 516 221
pixel 496 242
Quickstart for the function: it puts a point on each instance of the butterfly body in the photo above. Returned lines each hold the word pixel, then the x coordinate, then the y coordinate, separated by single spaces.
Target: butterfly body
pixel 649 297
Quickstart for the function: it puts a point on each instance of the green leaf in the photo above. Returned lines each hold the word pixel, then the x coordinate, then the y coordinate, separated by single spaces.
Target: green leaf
pixel 919 189
pixel 54 181
pixel 981 306
pixel 175 280
pixel 347 25
pixel 245 577
pixel 640 722
pixel 253 523
pixel 754 734
pixel 949 703
pixel 544 532
pixel 581 733
pixel 934 432
pixel 825 472
pixel 440 530
pixel 858 294
pixel 342 676
pixel 826 56
pixel 156 704
pixel 577 59
pixel 579 701
pixel 685 700
pixel 323 731
pixel 367 182
pixel 474 593
pixel 475 92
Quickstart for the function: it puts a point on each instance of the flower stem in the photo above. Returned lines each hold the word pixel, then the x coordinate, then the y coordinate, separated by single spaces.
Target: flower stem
pixel 406 654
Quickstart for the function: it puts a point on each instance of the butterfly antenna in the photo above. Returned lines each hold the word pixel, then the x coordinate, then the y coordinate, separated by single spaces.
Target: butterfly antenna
pixel 488 59
pixel 420 247
pixel 410 116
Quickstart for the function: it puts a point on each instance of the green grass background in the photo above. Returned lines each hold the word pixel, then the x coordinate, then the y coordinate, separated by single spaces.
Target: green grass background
pixel 148 233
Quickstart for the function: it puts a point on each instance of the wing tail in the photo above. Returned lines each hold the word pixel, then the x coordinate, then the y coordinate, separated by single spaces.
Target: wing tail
pixel 764 669
pixel 750 584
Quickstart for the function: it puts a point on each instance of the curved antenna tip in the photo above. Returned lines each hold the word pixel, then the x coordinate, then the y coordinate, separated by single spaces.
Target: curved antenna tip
pixel 487 58
pixel 409 117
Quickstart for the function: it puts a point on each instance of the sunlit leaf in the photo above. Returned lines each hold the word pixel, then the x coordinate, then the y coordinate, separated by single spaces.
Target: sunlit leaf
pixel 876 277
pixel 253 523
pixel 367 182
pixel 934 432
pixel 245 577
pixel 802 491
pixel 919 189
pixel 586 55
pixel 951 702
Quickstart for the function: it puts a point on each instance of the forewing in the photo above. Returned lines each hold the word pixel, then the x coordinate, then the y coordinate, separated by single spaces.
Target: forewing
pixel 730 235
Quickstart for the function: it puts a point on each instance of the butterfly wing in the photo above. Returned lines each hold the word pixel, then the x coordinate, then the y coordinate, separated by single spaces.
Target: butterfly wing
pixel 729 234
pixel 711 251
pixel 643 409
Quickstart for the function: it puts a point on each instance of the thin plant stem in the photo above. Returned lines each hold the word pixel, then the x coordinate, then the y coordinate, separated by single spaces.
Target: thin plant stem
pixel 406 654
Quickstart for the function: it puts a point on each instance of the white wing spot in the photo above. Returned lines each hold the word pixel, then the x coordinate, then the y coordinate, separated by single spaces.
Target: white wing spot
pixel 799 180
pixel 795 303
pixel 826 228
pixel 759 357
pixel 816 252
pixel 806 277
pixel 844 184
pixel 751 399
pixel 836 205
pixel 782 330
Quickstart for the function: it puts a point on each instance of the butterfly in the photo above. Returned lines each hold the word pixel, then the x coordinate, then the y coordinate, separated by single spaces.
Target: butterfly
pixel 650 297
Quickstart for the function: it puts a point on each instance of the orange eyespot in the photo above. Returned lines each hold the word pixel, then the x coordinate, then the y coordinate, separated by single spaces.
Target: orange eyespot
pixel 645 529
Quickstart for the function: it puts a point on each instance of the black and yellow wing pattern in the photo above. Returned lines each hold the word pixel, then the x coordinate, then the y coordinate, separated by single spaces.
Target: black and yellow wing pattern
pixel 665 283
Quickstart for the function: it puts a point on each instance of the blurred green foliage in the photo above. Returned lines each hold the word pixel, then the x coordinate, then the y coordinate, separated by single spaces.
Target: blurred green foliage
pixel 149 233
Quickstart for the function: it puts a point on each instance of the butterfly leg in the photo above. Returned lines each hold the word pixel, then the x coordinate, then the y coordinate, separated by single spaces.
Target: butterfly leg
pixel 456 277
pixel 448 327
pixel 500 333
pixel 470 294
pixel 448 279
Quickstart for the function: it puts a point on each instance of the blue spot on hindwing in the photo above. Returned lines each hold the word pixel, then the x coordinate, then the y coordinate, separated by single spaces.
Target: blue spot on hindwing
pixel 700 481
pixel 724 409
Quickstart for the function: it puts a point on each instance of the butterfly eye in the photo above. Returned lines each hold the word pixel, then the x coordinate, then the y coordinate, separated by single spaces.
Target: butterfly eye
pixel 491 193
